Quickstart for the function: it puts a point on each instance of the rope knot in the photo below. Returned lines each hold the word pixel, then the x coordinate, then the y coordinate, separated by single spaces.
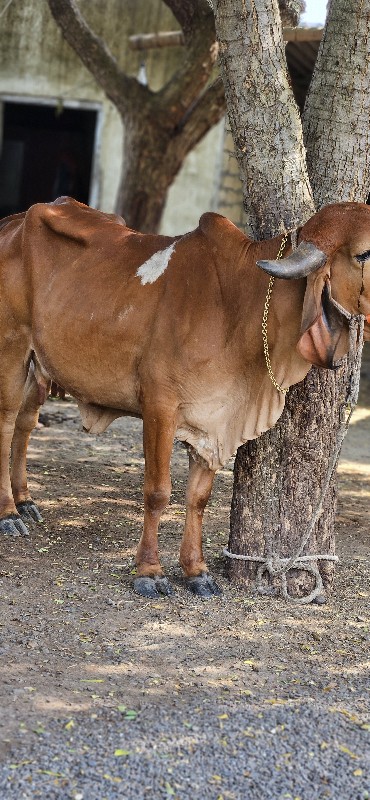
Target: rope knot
pixel 274 564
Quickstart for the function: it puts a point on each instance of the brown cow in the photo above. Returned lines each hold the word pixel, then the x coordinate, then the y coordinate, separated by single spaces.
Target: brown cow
pixel 169 330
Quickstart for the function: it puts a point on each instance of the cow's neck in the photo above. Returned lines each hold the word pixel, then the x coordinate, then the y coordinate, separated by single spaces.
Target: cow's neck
pixel 243 402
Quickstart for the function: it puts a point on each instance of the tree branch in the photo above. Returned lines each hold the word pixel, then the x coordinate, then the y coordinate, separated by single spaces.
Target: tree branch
pixel 188 13
pixel 290 11
pixel 119 87
pixel 208 109
pixel 200 56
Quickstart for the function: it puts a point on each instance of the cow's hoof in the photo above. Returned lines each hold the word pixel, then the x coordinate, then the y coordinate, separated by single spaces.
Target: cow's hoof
pixel 153 587
pixel 13 525
pixel 164 587
pixel 29 511
pixel 203 585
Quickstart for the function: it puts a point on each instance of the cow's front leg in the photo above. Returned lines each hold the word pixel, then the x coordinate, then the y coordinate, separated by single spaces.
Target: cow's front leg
pixel 199 488
pixel 159 433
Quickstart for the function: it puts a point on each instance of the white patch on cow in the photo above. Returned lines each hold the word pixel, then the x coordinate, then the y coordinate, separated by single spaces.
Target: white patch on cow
pixel 155 266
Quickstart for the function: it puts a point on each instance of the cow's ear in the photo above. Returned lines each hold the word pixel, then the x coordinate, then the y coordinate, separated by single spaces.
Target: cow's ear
pixel 324 331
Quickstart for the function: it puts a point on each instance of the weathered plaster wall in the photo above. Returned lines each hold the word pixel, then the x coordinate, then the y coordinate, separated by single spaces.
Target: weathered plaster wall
pixel 230 192
pixel 35 61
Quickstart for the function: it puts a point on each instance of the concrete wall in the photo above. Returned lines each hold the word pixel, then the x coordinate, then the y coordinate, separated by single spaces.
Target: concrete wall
pixel 36 63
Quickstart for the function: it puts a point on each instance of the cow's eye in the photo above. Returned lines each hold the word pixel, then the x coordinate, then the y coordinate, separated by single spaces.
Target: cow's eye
pixel 362 257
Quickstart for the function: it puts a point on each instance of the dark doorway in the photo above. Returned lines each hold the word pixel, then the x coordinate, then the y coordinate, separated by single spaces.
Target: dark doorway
pixel 46 152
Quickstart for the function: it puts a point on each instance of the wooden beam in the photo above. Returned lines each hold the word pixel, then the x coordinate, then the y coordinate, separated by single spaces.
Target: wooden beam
pixel 147 41
pixel 302 34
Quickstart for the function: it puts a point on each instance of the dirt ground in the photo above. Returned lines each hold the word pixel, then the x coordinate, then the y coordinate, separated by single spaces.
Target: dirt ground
pixel 75 638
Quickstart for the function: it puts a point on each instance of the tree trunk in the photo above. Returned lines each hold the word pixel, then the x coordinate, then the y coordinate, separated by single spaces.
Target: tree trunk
pixel 144 183
pixel 336 118
pixel 278 478
pixel 263 116
pixel 153 155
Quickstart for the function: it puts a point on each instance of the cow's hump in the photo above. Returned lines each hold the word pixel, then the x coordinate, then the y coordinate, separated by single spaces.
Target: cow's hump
pixel 218 228
pixel 73 220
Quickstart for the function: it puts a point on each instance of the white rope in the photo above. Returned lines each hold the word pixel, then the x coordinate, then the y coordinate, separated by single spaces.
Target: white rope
pixel 262 559
pixel 279 566
pixel 272 563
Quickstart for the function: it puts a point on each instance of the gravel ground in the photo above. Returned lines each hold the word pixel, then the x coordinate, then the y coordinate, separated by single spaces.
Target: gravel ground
pixel 236 750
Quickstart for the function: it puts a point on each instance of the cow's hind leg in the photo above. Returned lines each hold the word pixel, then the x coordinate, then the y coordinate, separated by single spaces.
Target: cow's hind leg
pixel 159 430
pixel 198 491
pixel 13 375
pixel 26 421
pixel 10 520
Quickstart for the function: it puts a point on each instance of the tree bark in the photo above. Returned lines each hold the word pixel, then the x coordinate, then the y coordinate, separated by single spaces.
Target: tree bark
pixel 264 117
pixel 336 117
pixel 278 478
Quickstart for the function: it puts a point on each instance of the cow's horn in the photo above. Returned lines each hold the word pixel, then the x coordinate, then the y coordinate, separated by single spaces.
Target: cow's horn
pixel 305 259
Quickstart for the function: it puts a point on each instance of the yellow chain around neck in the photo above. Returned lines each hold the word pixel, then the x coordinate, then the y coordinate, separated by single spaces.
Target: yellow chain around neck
pixel 264 322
